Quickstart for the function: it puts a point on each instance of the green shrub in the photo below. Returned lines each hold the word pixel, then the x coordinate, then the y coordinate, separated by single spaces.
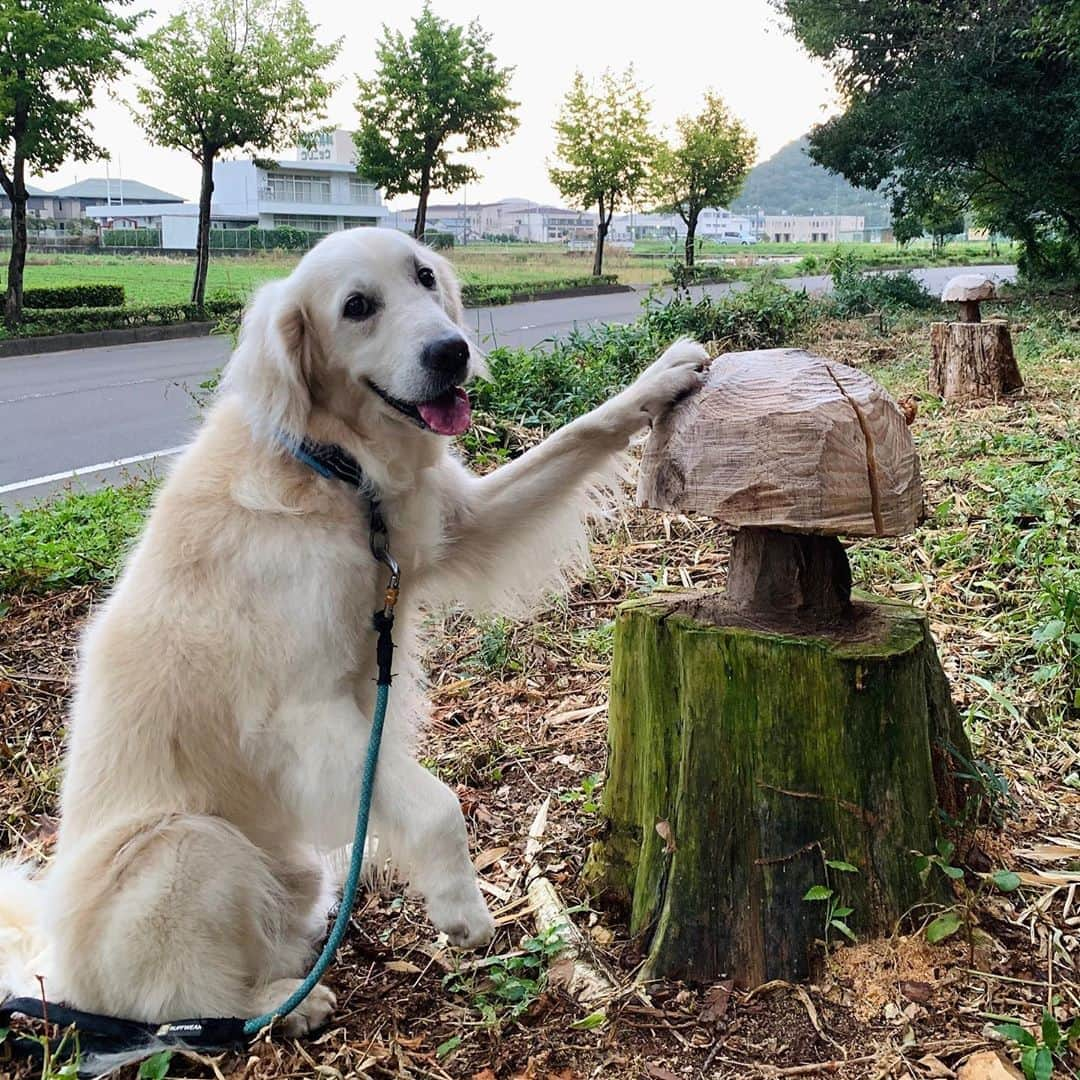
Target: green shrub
pixel 74 540
pixel 683 276
pixel 73 296
pixel 480 294
pixel 763 316
pixel 86 319
pixel 149 238
pixel 547 387
pixel 282 238
pixel 440 241
pixel 856 291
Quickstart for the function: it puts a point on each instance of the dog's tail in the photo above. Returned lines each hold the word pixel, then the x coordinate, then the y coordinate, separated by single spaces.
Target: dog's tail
pixel 23 949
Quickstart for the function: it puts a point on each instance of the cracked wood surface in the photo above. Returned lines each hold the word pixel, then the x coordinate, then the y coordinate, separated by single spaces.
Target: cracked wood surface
pixel 782 439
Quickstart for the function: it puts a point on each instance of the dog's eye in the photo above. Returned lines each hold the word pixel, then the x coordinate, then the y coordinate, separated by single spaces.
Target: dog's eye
pixel 426 276
pixel 359 307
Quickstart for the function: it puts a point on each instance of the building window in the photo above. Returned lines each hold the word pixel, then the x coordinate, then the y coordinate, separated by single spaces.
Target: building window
pixel 313 189
pixel 361 191
pixel 309 223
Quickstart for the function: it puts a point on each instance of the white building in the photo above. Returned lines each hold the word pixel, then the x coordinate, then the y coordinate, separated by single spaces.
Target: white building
pixel 715 223
pixel 317 190
pixel 522 219
pixel 810 228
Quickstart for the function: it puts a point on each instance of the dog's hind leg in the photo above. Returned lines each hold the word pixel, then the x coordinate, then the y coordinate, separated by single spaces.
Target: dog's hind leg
pixel 174 918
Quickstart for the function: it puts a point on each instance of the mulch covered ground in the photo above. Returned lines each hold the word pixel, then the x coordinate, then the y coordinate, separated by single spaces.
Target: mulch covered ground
pixel 519 730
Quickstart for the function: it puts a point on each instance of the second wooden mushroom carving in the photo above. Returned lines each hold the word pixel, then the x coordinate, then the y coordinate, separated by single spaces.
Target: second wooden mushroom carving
pixel 763 737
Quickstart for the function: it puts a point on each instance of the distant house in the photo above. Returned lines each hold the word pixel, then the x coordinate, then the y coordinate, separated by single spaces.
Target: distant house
pixel 39 203
pixel 316 190
pixel 522 219
pixel 74 200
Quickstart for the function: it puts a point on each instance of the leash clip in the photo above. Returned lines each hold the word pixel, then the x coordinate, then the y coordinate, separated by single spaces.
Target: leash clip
pixel 379 540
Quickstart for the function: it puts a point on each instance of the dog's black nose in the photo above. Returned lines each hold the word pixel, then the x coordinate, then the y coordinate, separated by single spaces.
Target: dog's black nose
pixel 449 356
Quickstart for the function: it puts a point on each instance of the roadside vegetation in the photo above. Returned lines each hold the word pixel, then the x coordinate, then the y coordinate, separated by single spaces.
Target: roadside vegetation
pixel 156 288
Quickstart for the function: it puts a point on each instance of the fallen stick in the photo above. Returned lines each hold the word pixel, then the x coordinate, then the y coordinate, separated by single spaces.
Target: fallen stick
pixel 585 982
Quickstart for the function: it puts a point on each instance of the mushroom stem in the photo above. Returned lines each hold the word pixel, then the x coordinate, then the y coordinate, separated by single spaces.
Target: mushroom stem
pixel 778 573
pixel 969 311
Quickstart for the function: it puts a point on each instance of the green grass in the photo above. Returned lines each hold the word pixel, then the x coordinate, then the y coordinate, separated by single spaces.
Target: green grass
pixel 154 279
pixel 76 539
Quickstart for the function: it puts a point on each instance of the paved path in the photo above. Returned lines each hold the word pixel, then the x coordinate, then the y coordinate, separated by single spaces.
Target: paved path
pixel 127 408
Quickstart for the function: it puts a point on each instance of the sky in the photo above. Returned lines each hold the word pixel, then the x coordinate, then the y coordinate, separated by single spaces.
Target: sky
pixel 679 48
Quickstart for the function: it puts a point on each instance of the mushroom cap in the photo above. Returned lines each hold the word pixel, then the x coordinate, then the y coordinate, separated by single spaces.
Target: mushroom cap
pixel 779 438
pixel 968 287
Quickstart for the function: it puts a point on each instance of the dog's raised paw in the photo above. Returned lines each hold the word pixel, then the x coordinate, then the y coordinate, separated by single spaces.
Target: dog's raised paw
pixel 677 373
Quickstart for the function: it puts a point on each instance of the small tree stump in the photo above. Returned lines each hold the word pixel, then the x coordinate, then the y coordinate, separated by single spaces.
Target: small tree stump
pixel 972 361
pixel 742 757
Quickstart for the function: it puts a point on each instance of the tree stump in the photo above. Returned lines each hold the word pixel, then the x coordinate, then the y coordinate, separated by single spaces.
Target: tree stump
pixel 972 361
pixel 743 756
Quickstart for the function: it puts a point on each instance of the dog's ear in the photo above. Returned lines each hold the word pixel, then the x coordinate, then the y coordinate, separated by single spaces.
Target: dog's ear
pixel 271 366
pixel 449 289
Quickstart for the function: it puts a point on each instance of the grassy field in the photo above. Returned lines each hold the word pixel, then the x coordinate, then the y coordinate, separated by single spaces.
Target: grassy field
pixel 519 718
pixel 161 280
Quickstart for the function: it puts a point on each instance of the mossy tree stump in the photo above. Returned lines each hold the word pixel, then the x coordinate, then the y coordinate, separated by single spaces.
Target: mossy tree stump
pixel 759 734
pixel 742 757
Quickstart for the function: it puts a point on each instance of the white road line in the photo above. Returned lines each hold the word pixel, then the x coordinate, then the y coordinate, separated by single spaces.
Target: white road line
pixel 72 474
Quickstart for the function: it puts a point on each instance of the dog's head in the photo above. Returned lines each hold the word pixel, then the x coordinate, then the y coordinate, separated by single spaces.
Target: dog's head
pixel 368 325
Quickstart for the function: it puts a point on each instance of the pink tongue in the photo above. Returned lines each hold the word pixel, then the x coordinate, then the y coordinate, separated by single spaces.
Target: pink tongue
pixel 448 414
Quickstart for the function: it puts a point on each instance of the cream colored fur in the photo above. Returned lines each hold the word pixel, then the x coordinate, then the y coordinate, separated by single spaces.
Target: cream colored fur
pixel 225 687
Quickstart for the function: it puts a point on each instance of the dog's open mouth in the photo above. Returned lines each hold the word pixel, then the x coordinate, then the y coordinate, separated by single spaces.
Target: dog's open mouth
pixel 448 414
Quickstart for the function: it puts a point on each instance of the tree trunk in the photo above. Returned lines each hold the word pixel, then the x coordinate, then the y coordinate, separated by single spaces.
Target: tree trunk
pixel 13 301
pixel 970 361
pixel 601 233
pixel 691 232
pixel 420 222
pixel 742 758
pixel 202 244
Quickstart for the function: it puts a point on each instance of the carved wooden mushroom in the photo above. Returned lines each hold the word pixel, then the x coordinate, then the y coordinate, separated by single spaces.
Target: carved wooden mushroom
pixel 969 290
pixel 971 359
pixel 792 451
pixel 766 740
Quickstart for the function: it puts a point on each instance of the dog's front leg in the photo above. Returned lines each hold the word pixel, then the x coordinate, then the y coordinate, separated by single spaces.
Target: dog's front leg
pixel 421 830
pixel 524 511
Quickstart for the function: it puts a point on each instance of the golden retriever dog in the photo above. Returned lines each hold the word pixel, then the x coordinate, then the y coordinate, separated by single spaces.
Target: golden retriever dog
pixel 225 687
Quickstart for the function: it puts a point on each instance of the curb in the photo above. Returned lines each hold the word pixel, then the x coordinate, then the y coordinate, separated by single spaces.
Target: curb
pixel 95 339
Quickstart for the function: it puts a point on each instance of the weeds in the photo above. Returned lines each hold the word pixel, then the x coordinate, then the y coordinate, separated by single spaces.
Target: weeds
pixel 75 540
pixel 1039 1052
pixel 836 911
pixel 502 987
pixel 857 291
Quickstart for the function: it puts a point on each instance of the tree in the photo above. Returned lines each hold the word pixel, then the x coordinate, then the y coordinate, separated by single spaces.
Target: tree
pixel 977 102
pixel 605 146
pixel 707 166
pixel 232 75
pixel 440 84
pixel 53 56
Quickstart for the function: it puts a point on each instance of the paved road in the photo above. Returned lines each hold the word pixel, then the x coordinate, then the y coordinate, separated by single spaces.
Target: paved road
pixel 127 408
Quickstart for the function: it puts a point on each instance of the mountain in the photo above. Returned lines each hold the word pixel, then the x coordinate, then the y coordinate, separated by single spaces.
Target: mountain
pixel 790 183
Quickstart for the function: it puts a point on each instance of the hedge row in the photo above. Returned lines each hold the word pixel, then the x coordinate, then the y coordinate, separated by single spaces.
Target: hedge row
pixel 75 296
pixel 85 319
pixel 477 294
